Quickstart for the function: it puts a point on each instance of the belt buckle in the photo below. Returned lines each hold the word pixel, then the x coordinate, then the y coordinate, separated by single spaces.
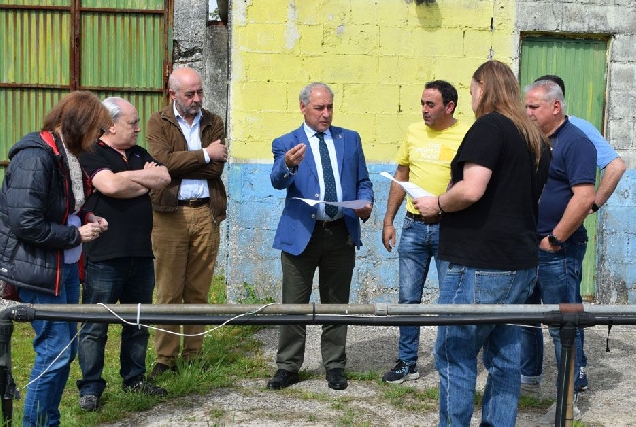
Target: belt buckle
pixel 192 203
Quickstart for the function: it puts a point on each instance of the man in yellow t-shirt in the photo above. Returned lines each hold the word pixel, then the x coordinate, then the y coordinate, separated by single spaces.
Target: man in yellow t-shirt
pixel 423 159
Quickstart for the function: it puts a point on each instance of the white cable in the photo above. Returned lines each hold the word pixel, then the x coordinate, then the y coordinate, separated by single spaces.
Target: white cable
pixel 54 360
pixel 178 333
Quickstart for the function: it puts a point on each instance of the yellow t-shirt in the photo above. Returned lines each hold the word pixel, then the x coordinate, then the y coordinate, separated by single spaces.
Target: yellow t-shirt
pixel 428 154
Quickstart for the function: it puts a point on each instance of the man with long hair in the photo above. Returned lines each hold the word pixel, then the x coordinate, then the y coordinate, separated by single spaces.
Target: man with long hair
pixel 488 245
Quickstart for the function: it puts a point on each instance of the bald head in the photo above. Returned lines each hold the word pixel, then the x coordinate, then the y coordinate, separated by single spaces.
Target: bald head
pixel 186 91
pixel 181 76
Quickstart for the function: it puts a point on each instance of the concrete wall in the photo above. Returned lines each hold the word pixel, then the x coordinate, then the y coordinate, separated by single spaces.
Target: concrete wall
pixel 616 272
pixel 203 46
pixel 376 55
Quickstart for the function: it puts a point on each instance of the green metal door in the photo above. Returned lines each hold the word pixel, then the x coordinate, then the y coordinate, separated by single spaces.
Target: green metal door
pixel 51 47
pixel 582 64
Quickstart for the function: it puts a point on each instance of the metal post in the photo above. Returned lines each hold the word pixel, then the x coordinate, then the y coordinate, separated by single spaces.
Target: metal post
pixel 565 381
pixel 7 385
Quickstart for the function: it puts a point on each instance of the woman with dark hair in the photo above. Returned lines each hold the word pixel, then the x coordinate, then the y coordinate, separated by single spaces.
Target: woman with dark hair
pixel 41 236
pixel 488 245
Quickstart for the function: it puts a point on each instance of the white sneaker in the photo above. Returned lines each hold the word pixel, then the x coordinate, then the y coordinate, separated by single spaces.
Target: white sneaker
pixel 548 418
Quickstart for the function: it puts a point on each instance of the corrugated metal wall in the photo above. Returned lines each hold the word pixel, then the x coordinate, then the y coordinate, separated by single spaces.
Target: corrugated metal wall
pixel 111 47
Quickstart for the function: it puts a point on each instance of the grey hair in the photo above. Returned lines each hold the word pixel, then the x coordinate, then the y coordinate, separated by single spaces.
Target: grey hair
pixel 552 90
pixel 113 105
pixel 306 92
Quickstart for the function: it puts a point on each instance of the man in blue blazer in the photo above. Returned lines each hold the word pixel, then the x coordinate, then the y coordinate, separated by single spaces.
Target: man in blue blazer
pixel 318 162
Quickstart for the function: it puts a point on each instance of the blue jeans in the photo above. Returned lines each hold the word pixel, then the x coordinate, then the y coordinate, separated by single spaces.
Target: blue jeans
pixel 418 245
pixel 559 279
pixel 124 280
pixel 52 338
pixel 457 347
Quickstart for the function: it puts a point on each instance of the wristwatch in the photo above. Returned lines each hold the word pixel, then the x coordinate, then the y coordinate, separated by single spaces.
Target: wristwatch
pixel 595 207
pixel 552 239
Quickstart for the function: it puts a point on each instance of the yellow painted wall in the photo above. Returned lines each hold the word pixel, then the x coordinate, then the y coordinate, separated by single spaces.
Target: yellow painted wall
pixel 375 55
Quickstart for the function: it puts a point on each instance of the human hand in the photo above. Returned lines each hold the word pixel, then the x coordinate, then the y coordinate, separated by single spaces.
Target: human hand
pixel 365 212
pixel 149 165
pixel 217 151
pixel 295 155
pixel 89 232
pixel 388 236
pixel 427 206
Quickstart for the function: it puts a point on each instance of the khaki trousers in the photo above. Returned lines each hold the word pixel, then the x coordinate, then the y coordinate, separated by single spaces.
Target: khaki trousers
pixel 185 244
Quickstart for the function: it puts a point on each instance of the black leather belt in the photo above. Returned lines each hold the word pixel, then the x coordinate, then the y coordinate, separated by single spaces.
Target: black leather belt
pixel 331 223
pixel 194 203
pixel 424 219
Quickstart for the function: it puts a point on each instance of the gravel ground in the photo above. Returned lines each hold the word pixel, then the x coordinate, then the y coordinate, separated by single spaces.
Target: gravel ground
pixel 610 400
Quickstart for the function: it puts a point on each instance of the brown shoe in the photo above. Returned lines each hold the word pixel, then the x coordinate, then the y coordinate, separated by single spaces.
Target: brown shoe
pixel 159 369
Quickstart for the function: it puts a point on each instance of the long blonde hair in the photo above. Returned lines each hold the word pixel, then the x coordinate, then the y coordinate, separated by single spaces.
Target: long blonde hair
pixel 501 93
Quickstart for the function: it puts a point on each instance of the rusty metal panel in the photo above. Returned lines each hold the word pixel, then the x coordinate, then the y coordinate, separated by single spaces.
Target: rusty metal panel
pixel 36 3
pixel 23 111
pixel 50 47
pixel 125 4
pixel 35 46
pixel 122 50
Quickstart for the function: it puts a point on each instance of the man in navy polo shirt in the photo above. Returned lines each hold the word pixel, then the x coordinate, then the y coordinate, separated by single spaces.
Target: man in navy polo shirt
pixel 565 202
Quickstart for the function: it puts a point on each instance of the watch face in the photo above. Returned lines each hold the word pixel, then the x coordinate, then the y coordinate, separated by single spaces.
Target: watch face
pixel 553 240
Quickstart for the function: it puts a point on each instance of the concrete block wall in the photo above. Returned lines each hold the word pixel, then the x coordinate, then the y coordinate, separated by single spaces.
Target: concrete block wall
pixel 376 56
pixel 616 260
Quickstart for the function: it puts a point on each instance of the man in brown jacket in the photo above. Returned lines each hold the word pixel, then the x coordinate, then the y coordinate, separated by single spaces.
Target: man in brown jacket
pixel 189 141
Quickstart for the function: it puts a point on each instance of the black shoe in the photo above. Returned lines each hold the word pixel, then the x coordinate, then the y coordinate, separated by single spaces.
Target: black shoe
pixel 336 379
pixel 145 387
pixel 89 403
pixel 159 369
pixel 281 379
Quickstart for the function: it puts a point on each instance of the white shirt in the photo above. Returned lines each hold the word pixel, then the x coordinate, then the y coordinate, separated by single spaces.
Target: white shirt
pixel 315 149
pixel 192 188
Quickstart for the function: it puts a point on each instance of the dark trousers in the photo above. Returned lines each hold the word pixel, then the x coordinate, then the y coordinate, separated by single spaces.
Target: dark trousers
pixel 128 280
pixel 330 250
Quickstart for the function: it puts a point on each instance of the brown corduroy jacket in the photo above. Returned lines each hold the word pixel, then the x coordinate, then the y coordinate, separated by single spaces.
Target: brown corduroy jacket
pixel 167 144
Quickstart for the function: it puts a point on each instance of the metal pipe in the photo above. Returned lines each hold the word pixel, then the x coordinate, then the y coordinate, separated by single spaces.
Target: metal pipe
pixel 379 309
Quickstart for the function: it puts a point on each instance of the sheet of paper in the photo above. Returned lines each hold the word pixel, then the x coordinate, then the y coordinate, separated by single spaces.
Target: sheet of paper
pixel 353 204
pixel 413 190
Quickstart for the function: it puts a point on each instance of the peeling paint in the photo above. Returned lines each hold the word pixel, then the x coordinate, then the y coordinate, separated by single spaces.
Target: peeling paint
pixel 292 34
pixel 239 12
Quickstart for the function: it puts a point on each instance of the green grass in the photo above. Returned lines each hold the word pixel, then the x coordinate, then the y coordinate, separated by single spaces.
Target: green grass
pixel 230 352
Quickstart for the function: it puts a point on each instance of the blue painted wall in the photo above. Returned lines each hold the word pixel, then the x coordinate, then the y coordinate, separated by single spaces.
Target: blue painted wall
pixel 253 213
pixel 616 264
pixel 254 209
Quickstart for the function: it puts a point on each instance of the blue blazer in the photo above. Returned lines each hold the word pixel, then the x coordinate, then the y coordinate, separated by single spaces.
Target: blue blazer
pixel 297 222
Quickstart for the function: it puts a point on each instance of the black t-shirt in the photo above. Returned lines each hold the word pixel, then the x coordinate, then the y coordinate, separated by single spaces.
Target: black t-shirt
pixel 129 220
pixel 498 231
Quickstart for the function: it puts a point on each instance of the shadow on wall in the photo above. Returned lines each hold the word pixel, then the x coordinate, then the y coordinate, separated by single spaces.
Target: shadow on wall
pixel 428 14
